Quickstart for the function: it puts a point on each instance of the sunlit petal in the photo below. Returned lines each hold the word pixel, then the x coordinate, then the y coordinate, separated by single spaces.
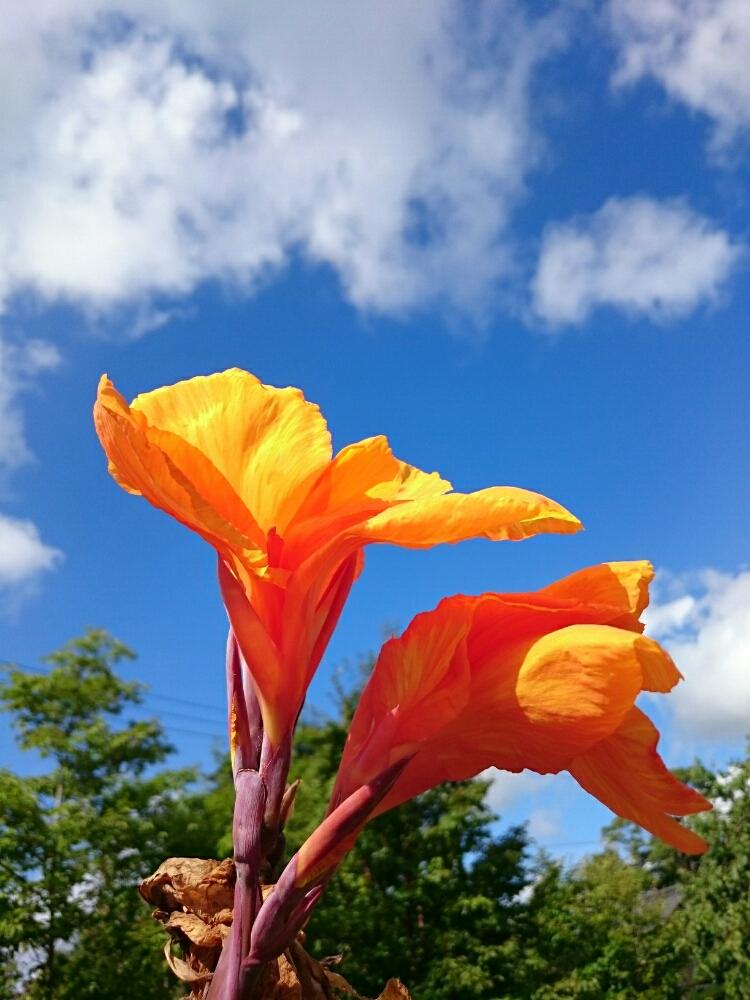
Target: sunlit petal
pixel 499 513
pixel 626 773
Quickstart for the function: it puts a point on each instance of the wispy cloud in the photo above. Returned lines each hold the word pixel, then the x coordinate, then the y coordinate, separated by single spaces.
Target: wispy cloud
pixel 507 787
pixel 658 259
pixel 19 364
pixel 23 555
pixel 696 49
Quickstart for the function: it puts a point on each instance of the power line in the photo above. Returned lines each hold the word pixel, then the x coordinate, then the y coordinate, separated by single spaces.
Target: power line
pixel 148 694
pixel 194 732
pixel 170 727
pixel 190 716
pixel 575 843
pixel 185 701
pixel 215 734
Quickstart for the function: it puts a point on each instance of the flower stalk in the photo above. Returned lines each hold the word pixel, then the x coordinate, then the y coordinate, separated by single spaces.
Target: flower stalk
pixel 545 681
pixel 233 980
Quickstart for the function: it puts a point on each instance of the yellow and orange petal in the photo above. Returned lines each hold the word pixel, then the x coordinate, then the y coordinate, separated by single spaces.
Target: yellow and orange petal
pixel 270 444
pixel 626 773
pixel 514 682
pixel 249 468
pixel 621 585
pixel 174 476
pixel 499 513
pixel 228 456
pixel 368 495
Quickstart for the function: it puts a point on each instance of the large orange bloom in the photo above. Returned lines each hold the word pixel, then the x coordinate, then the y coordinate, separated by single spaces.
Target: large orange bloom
pixel 251 469
pixel 545 681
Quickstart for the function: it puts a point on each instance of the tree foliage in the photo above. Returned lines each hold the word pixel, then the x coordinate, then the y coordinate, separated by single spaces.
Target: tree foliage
pixel 76 838
pixel 712 922
pixel 434 892
pixel 717 902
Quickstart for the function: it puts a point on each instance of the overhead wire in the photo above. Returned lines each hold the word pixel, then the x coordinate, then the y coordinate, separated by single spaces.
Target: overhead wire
pixel 217 733
pixel 148 694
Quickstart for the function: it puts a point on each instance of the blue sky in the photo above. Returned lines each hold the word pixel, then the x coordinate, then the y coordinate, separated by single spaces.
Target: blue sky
pixel 515 244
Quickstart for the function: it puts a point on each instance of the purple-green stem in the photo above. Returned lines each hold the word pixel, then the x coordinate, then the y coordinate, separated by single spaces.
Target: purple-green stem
pixel 233 980
pixel 302 882
pixel 261 804
pixel 261 931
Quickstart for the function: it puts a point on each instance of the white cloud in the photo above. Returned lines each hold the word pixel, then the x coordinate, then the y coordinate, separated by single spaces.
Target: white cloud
pixel 544 824
pixel 506 787
pixel 698 50
pixel 148 148
pixel 659 259
pixel 23 554
pixel 19 363
pixel 389 141
pixel 707 630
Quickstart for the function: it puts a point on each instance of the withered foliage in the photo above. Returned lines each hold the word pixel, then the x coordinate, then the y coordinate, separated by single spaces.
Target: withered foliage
pixel 193 900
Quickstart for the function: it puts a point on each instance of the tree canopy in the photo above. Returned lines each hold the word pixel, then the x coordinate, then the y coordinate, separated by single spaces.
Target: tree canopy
pixel 436 892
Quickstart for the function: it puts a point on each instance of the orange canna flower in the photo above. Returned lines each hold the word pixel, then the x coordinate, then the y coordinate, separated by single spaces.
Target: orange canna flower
pixel 545 681
pixel 251 469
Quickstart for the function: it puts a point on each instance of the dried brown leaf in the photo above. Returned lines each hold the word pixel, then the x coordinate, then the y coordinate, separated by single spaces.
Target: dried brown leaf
pixel 193 900
pixel 197 931
pixel 395 990
pixel 184 972
pixel 192 884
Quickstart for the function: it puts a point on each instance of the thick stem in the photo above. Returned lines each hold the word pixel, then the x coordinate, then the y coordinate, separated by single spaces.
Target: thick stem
pixel 274 770
pixel 262 802
pixel 231 980
pixel 302 882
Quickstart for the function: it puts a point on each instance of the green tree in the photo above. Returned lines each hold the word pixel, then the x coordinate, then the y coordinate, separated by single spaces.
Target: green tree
pixel 715 914
pixel 712 919
pixel 76 839
pixel 600 929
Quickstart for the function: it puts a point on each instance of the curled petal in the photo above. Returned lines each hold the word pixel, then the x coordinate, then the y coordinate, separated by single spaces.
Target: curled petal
pixel 367 471
pixel 228 456
pixel 363 480
pixel 659 672
pixel 620 586
pixel 608 594
pixel 578 683
pixel 545 681
pixel 270 444
pixel 626 773
pixel 499 513
pixel 174 476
